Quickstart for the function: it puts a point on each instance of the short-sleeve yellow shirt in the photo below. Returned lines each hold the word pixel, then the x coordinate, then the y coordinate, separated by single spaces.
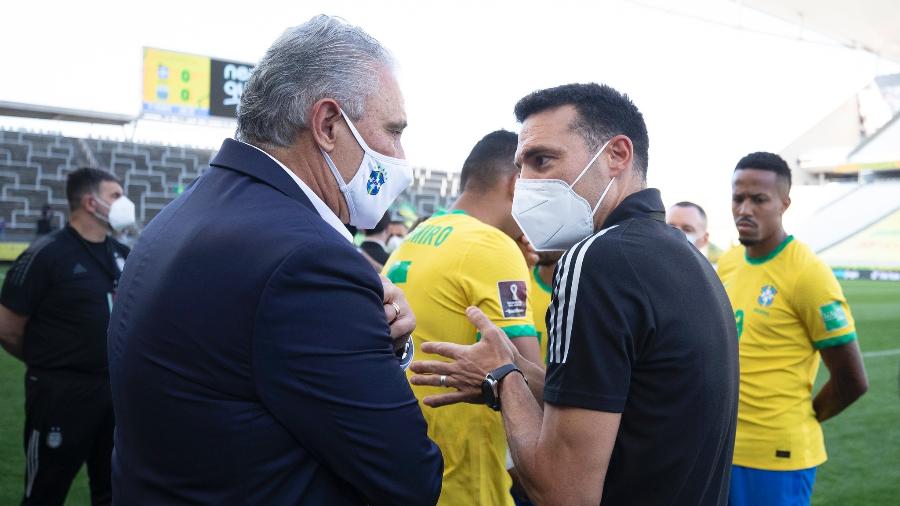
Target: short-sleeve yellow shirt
pixel 448 263
pixel 787 305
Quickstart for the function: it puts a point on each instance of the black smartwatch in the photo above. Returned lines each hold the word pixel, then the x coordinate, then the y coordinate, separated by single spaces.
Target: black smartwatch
pixel 490 386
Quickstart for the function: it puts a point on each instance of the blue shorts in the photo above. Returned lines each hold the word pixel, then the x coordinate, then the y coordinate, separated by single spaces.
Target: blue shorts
pixel 759 487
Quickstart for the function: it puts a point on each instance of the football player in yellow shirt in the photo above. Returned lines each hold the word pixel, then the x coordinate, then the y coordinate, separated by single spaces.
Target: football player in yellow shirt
pixel 468 257
pixel 789 310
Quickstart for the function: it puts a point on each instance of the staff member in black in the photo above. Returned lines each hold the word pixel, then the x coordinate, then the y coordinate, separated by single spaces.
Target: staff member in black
pixel 54 311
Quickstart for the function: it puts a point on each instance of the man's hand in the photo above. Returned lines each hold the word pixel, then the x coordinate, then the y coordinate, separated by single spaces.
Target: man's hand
pixel 471 363
pixel 402 321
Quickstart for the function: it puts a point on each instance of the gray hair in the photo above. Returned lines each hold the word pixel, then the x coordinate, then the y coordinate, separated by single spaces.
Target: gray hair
pixel 325 57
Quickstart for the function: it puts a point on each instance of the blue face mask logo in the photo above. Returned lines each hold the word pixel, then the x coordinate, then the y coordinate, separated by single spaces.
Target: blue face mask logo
pixel 376 180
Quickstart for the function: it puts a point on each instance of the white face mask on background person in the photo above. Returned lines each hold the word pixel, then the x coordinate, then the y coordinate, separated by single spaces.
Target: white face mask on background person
pixel 121 213
pixel 393 243
pixel 692 238
pixel 379 180
pixel 551 214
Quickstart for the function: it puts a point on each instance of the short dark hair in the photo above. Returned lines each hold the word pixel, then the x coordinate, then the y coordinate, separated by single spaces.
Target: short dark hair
pixel 380 226
pixel 685 203
pixel 762 160
pixel 603 113
pixel 85 180
pixel 492 157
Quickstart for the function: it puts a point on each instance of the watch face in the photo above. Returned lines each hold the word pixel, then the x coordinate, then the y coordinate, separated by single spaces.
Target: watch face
pixel 487 392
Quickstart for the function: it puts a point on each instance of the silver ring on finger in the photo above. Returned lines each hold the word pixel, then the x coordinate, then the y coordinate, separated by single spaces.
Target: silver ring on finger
pixel 396 312
pixel 443 380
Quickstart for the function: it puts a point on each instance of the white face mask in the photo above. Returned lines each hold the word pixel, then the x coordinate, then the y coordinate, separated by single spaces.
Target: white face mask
pixel 379 180
pixel 121 213
pixel 692 238
pixel 551 215
pixel 393 243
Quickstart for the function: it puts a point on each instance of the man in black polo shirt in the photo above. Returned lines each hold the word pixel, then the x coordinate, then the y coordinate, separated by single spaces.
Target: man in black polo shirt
pixel 376 239
pixel 54 311
pixel 640 394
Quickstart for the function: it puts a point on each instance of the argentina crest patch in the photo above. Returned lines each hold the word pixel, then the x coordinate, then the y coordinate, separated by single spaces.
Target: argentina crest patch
pixel 54 437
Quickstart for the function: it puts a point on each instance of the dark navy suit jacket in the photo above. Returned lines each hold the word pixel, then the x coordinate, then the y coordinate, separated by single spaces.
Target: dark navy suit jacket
pixel 250 359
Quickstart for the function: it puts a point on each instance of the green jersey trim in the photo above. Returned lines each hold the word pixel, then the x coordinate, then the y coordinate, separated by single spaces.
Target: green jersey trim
pixel 835 341
pixel 514 331
pixel 761 260
pixel 443 212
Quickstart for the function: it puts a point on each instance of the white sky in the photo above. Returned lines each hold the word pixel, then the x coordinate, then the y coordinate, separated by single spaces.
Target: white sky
pixel 710 93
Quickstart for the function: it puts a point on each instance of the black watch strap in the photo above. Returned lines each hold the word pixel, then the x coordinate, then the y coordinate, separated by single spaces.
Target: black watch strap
pixel 501 372
pixel 491 384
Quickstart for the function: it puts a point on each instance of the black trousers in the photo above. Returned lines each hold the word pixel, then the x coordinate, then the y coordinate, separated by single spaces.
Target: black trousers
pixel 68 422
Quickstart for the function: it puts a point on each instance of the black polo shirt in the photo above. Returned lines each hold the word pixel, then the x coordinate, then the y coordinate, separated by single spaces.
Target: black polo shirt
pixel 66 286
pixel 639 324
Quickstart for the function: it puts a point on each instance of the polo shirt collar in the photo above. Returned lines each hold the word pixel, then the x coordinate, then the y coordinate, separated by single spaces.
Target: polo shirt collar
pixel 646 203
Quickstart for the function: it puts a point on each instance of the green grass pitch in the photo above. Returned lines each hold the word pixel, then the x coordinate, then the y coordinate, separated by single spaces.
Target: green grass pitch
pixel 863 442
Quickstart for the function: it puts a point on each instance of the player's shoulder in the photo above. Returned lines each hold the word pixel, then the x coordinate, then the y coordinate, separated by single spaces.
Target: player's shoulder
pixel 731 258
pixel 800 258
pixel 477 235
pixel 733 254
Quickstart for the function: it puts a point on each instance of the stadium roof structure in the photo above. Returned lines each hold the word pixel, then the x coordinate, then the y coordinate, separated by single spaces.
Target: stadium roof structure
pixel 868 25
pixel 862 134
pixel 35 111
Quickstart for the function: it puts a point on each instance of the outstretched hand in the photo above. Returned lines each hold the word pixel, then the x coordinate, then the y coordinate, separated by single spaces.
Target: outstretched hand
pixel 470 363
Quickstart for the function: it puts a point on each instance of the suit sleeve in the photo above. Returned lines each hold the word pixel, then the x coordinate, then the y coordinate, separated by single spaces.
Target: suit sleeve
pixel 324 366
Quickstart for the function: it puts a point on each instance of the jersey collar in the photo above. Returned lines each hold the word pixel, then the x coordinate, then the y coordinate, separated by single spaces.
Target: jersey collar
pixel 761 260
pixel 442 212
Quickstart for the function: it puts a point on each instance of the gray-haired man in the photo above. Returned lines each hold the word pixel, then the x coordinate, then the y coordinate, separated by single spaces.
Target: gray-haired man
pixel 255 356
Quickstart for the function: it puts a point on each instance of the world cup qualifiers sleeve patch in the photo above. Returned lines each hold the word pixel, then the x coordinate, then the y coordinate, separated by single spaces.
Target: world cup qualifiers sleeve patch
pixel 833 315
pixel 513 298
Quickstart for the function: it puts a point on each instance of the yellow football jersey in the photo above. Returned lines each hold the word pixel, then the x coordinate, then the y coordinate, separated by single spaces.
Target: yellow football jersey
pixel 448 263
pixel 787 306
pixel 539 297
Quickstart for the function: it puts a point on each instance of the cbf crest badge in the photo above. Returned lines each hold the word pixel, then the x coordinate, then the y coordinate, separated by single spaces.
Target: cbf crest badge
pixel 54 437
pixel 376 180
pixel 767 296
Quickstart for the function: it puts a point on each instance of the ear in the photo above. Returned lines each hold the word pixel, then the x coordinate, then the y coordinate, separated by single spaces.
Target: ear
pixel 786 202
pixel 511 185
pixel 324 115
pixel 88 203
pixel 620 153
